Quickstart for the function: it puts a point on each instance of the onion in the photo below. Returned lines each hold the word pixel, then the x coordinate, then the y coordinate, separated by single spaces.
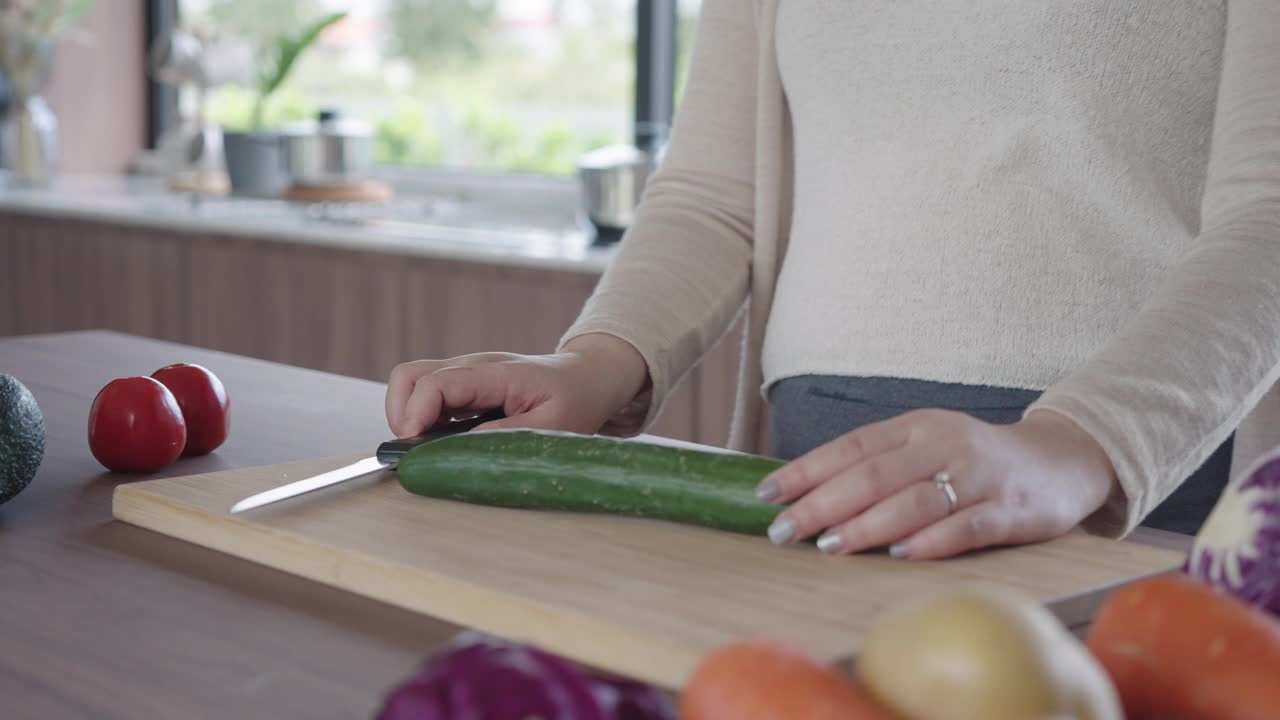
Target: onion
pixel 483 678
pixel 1238 549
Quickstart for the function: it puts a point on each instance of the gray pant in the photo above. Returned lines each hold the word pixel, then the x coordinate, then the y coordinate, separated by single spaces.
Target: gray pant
pixel 811 410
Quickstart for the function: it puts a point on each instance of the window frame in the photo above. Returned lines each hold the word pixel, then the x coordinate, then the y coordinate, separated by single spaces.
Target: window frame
pixel 656 53
pixel 655 78
pixel 160 16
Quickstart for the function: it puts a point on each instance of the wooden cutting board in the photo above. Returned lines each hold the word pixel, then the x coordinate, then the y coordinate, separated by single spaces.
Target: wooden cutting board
pixel 643 598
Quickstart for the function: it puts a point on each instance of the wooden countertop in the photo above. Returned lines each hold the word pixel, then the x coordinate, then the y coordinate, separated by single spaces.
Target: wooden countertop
pixel 101 619
pixel 104 620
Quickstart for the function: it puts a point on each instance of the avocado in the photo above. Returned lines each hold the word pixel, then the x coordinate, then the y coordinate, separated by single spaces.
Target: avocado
pixel 21 437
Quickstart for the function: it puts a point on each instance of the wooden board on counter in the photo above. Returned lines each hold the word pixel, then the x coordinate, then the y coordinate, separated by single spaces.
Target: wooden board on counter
pixel 642 598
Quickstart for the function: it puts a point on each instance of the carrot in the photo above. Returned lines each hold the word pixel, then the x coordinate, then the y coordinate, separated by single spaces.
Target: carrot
pixel 766 680
pixel 1176 648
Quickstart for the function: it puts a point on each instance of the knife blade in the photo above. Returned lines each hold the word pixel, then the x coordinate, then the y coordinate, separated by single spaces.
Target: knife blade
pixel 387 457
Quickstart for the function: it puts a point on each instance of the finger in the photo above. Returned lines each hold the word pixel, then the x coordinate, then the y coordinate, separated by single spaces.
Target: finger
pixel 819 465
pixel 451 391
pixel 981 525
pixel 911 509
pixel 853 491
pixel 540 418
pixel 404 378
pixel 400 387
pixel 476 387
pixel 422 410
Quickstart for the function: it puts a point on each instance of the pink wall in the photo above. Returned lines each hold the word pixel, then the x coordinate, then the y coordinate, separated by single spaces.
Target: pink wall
pixel 99 90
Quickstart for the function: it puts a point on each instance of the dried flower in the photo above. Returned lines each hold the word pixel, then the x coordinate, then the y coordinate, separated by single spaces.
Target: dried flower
pixel 28 30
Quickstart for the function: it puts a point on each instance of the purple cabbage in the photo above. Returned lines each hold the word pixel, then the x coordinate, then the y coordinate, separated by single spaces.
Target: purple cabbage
pixel 484 678
pixel 1238 549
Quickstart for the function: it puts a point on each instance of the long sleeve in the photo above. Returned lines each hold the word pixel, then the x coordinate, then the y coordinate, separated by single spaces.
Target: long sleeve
pixel 1206 346
pixel 680 274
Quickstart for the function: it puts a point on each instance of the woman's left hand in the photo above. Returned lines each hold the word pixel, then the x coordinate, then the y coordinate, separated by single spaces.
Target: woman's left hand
pixel 884 484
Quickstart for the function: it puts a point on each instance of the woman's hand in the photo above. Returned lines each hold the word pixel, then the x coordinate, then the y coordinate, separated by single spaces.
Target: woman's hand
pixel 576 390
pixel 1030 481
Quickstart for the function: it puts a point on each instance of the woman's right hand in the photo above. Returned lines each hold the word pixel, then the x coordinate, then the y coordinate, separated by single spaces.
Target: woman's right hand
pixel 576 390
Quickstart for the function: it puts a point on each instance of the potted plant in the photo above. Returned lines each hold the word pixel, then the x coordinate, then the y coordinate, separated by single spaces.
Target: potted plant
pixel 254 157
pixel 29 31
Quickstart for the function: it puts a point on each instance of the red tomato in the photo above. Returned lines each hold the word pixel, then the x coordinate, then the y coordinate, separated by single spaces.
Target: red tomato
pixel 135 425
pixel 204 402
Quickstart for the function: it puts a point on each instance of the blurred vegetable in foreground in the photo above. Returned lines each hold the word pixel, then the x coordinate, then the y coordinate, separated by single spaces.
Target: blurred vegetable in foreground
pixel 982 653
pixel 769 680
pixel 483 678
pixel 1238 549
pixel 1178 648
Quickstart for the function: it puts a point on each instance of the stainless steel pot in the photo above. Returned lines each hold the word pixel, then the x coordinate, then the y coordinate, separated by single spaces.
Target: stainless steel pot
pixel 612 181
pixel 329 150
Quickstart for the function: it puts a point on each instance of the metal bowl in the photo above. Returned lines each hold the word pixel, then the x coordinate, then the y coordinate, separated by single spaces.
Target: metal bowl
pixel 329 150
pixel 612 182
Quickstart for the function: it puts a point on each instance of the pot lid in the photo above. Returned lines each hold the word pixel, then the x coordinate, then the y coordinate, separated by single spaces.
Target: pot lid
pixel 329 122
pixel 612 156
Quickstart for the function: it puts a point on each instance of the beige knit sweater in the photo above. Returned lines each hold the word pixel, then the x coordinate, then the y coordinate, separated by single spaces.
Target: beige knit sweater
pixel 1120 198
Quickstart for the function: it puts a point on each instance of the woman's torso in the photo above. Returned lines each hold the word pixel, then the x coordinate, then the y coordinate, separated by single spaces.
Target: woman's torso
pixel 985 191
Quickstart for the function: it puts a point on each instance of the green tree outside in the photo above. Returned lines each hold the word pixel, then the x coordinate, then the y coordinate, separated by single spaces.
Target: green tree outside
pixel 470 96
pixel 262 21
pixel 430 32
pixel 404 137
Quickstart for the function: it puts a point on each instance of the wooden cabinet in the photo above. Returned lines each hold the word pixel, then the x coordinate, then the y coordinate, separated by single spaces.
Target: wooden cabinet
pixel 339 310
pixel 58 276
pixel 319 308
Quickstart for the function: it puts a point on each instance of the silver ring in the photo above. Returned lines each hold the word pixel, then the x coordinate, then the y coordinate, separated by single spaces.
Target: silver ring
pixel 943 481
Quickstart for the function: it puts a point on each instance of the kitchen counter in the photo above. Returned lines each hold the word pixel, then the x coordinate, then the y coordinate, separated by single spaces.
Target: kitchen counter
pixel 451 268
pixel 106 620
pixel 502 221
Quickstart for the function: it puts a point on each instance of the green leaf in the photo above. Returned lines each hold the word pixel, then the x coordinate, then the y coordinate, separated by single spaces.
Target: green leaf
pixel 291 47
pixel 278 61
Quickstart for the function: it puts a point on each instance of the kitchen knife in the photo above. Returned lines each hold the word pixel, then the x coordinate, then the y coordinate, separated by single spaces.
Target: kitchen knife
pixel 387 457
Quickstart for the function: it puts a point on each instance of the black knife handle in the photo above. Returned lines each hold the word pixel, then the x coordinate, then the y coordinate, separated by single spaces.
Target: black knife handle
pixel 391 451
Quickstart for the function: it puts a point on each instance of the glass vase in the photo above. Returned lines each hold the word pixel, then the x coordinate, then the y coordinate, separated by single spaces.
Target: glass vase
pixel 29 141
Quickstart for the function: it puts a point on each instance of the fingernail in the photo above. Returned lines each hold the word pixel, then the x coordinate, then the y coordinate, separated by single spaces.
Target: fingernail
pixel 898 551
pixel 769 490
pixel 781 531
pixel 829 542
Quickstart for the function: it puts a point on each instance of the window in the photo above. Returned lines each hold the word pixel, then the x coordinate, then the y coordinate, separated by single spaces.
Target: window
pixel 512 85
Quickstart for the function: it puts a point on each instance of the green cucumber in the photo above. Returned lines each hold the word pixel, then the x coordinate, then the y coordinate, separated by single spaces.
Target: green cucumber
pixel 540 470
